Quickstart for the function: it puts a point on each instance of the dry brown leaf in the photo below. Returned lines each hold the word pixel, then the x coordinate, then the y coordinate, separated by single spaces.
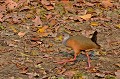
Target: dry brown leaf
pixel 1 15
pixel 49 7
pixel 48 16
pixel 21 34
pixel 45 2
pixel 68 6
pixel 86 17
pixel 37 21
pixel 117 74
pixel 106 3
pixel 53 22
pixel 2 8
pixel 24 8
pixel 11 4
pixel 89 4
pixel 21 2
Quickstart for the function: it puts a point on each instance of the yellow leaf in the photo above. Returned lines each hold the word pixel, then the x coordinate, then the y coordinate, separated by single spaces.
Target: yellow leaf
pixel 42 29
pixel 118 25
pixel 13 28
pixel 59 38
pixel 94 23
pixel 22 54
pixel 86 17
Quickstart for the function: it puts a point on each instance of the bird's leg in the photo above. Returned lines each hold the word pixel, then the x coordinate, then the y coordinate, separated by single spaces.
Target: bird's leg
pixel 88 59
pixel 70 60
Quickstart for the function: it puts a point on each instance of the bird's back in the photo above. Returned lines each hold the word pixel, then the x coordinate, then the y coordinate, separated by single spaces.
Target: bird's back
pixel 81 42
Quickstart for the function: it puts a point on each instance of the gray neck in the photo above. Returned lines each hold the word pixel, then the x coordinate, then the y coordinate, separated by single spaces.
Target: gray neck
pixel 65 39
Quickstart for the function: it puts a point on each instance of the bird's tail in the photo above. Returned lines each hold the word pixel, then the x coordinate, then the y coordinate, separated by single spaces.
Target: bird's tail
pixel 94 38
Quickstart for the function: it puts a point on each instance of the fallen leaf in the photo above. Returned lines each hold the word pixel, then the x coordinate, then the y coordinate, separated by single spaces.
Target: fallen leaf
pixel 100 75
pixel 2 8
pixel 34 39
pixel 86 17
pixel 13 28
pixel 21 34
pixel 11 77
pixel 118 26
pixel 1 15
pixel 24 8
pixel 110 77
pixel 24 55
pixel 89 4
pixel 94 24
pixel 59 38
pixel 53 22
pixel 117 73
pixel 11 4
pixel 68 6
pixel 79 75
pixel 45 2
pixel 34 53
pixel 1 27
pixel 38 66
pixel 106 3
pixel 21 2
pixel 37 21
pixel 42 29
pixel 118 65
pixel 32 75
pixel 49 7
pixel 48 16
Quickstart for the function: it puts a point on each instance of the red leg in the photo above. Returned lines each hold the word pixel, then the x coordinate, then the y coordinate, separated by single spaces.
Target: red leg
pixel 88 58
pixel 70 60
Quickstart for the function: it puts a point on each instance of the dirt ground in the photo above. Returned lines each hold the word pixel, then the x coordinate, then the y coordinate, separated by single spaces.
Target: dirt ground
pixel 31 39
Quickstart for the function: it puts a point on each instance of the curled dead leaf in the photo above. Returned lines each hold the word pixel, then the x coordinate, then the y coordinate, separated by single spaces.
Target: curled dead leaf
pixel 37 21
pixel 86 17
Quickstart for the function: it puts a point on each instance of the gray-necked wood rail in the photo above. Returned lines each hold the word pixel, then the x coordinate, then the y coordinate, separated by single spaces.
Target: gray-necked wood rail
pixel 80 42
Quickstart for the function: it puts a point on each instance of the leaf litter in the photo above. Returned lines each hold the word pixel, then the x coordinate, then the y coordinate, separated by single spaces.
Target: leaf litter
pixel 38 25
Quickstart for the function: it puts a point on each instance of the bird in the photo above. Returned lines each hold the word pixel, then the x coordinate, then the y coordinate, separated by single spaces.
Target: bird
pixel 80 43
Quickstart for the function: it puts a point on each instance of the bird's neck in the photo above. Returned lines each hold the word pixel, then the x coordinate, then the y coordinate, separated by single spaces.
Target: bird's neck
pixel 65 39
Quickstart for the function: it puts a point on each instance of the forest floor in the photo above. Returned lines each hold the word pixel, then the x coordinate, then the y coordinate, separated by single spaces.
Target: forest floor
pixel 31 38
